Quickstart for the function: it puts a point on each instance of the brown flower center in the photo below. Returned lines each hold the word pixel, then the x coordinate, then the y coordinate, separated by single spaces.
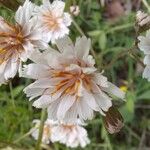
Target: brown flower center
pixel 51 21
pixel 71 83
pixel 10 42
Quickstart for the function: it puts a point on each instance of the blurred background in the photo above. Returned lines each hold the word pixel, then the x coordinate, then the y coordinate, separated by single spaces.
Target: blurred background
pixel 111 26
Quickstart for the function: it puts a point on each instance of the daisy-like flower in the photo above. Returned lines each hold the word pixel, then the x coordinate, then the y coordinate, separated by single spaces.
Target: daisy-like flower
pixel 68 84
pixel 144 46
pixel 47 130
pixel 53 20
pixel 18 41
pixel 72 135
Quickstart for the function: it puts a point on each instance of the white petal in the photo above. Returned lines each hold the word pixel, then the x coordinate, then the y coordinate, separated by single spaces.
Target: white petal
pixel 100 80
pixel 82 47
pixel 146 73
pixel 35 71
pixel 147 60
pixel 112 89
pixel 43 101
pixel 90 100
pixel 11 69
pixel 65 45
pixel 64 106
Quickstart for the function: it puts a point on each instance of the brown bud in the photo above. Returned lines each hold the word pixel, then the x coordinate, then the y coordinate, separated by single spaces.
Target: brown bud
pixel 113 121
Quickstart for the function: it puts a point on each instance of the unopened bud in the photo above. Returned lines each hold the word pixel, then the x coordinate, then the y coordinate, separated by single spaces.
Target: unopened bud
pixel 142 18
pixel 75 10
pixel 113 121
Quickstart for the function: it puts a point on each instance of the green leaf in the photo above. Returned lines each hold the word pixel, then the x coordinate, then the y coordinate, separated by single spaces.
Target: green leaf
pixel 102 40
pixel 145 95
pixel 128 109
pixel 94 33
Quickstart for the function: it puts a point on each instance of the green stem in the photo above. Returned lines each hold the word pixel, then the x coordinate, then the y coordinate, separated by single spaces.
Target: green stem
pixel 134 56
pixel 133 133
pixel 24 136
pixel 11 93
pixel 146 5
pixel 43 115
pixel 77 27
pixel 121 27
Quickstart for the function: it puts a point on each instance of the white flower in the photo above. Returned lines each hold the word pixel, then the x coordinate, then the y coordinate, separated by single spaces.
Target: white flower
pixel 144 45
pixel 53 20
pixel 18 41
pixel 47 130
pixel 68 84
pixel 70 135
pixel 142 18
pixel 75 10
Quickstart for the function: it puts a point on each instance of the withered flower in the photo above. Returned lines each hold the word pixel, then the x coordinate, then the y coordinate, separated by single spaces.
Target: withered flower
pixel 113 121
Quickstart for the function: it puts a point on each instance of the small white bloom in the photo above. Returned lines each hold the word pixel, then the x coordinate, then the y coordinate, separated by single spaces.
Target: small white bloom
pixel 75 10
pixel 47 130
pixel 53 20
pixel 68 84
pixel 18 41
pixel 142 18
pixel 70 135
pixel 144 45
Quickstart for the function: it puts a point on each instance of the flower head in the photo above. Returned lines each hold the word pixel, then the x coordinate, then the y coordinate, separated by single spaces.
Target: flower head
pixel 47 130
pixel 68 84
pixel 18 41
pixel 144 45
pixel 53 20
pixel 70 134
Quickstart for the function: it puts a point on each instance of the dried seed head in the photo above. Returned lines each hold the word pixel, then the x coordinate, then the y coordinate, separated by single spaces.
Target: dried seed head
pixel 113 121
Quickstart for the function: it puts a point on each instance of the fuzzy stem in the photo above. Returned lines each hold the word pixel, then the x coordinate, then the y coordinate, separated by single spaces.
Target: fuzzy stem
pixel 43 115
pixel 11 93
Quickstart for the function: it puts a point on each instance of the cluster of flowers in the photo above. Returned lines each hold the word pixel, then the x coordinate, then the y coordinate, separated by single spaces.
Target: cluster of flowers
pixel 66 83
pixel 72 135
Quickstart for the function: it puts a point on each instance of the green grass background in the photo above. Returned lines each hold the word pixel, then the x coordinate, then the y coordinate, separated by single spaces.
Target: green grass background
pixel 111 41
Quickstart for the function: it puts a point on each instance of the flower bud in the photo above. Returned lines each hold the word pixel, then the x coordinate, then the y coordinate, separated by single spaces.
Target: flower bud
pixel 142 18
pixel 75 10
pixel 113 121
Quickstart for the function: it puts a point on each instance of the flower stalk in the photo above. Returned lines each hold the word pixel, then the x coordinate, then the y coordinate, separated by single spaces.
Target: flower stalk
pixel 43 116
pixel 11 93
